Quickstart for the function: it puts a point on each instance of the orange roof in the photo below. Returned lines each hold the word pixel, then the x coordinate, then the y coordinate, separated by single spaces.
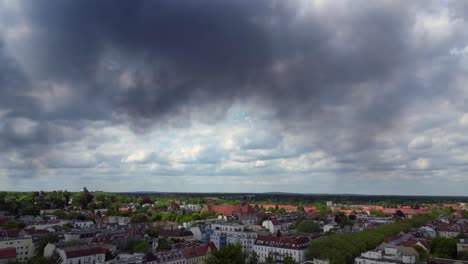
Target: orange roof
pixel 229 209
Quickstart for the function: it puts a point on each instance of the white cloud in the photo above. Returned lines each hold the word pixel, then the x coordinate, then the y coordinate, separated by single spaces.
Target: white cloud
pixel 137 156
pixel 421 164
pixel 463 121
pixel 420 142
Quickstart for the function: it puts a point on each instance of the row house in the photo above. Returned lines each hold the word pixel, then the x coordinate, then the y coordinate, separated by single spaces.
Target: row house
pixel 22 244
pixel 282 222
pixel 187 254
pixel 280 247
pixel 82 254
pixel 80 235
pixel 83 224
pixel 389 255
pixel 462 246
pixel 7 255
pixel 168 257
pixel 191 207
pixel 177 234
pixel 165 225
pixel 121 220
pixel 198 254
pixel 405 240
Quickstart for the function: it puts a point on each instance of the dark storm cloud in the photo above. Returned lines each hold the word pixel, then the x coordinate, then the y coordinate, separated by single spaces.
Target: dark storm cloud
pixel 194 54
pixel 147 62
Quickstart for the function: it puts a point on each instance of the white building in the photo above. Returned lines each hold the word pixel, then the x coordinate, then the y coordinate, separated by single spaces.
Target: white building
pixel 197 232
pixel 191 207
pixel 389 256
pixel 279 247
pixel 83 224
pixel 24 246
pixel 448 231
pixel 121 220
pixel 428 232
pixel 233 234
pixel 80 235
pixel 83 254
pixel 462 246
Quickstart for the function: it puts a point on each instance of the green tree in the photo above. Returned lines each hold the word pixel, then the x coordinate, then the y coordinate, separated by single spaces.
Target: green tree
pixel 139 218
pixel 12 224
pixel 377 213
pixel 253 259
pixel 282 211
pixel 444 247
pixel 462 255
pixel 289 260
pixel 464 214
pixel 141 246
pixel 43 241
pixel 423 254
pixel 55 258
pixel 308 226
pixel 163 244
pixel 343 248
pixel 61 214
pixel 269 259
pixel 110 255
pixel 151 232
pixel 229 254
pixel 80 200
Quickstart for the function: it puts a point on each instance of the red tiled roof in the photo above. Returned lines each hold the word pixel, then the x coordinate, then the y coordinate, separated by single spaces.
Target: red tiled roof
pixel 85 252
pixel 283 242
pixel 7 253
pixel 229 209
pixel 411 242
pixel 193 252
pixel 10 233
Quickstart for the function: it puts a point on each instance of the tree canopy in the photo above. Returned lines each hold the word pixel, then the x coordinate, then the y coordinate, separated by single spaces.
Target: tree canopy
pixel 228 254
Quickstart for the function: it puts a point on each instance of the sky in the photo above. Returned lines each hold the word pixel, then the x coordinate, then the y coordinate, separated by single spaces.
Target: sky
pixel 306 96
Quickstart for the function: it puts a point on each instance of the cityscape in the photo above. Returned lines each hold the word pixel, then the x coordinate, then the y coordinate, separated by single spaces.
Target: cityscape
pixel 233 132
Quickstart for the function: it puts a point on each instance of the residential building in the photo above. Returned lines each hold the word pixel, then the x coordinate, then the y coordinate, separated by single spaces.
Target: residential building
pixel 229 233
pixel 462 246
pixel 281 222
pixel 177 234
pixel 81 254
pixel 242 209
pixel 121 220
pixel 197 254
pixel 22 244
pixel 191 207
pixel 83 224
pixel 388 256
pixel 7 255
pixel 279 247
pixel 175 256
pixel 83 235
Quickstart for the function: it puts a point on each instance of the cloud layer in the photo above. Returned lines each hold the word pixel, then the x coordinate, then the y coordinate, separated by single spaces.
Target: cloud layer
pixel 307 96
